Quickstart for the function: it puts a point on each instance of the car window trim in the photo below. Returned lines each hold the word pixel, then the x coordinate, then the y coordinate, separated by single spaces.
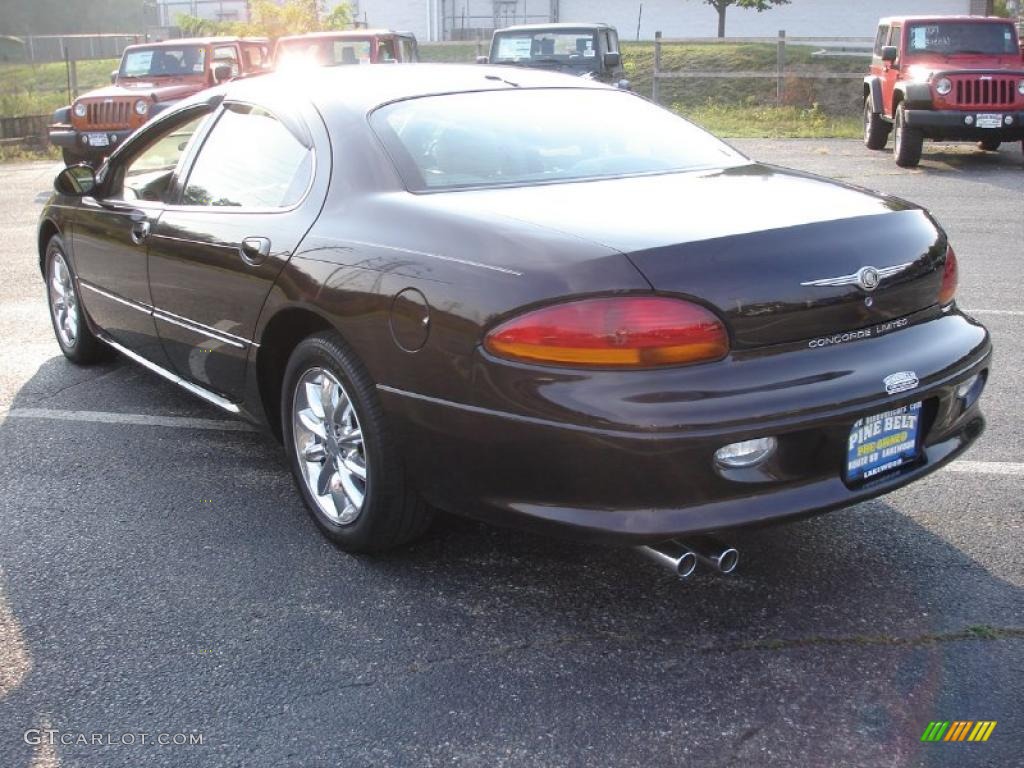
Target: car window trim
pixel 115 163
pixel 182 183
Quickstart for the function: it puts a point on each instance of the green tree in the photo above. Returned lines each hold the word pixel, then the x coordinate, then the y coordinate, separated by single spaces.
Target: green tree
pixel 721 6
pixel 294 17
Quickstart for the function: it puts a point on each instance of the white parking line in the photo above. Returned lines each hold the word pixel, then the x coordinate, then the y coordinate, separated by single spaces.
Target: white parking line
pixel 1003 312
pixel 987 467
pixel 136 419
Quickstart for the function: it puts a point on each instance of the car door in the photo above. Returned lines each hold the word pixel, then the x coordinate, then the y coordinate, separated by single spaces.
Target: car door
pixel 110 234
pixel 254 189
pixel 891 72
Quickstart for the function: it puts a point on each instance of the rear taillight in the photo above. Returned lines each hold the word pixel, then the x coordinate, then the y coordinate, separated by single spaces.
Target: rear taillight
pixel 949 278
pixel 625 332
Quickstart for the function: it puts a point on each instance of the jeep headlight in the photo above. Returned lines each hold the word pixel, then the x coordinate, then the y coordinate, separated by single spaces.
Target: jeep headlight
pixel 943 86
pixel 1020 87
pixel 80 109
pixel 141 107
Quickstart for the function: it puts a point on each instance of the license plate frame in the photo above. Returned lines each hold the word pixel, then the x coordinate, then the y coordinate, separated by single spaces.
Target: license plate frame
pixel 988 120
pixel 883 442
pixel 98 139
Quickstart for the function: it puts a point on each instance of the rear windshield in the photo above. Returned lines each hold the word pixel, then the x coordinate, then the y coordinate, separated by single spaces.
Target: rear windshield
pixel 324 52
pixel 154 62
pixel 518 137
pixel 963 37
pixel 545 47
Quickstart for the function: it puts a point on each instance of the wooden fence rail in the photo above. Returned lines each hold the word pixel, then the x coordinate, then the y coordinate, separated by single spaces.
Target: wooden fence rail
pixel 29 131
pixel 780 73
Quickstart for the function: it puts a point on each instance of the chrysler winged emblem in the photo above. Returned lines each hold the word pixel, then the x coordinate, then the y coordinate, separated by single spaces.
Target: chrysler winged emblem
pixel 865 278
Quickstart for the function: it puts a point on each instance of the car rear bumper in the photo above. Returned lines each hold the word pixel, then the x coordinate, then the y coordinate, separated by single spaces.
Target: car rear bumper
pixel 949 124
pixel 597 478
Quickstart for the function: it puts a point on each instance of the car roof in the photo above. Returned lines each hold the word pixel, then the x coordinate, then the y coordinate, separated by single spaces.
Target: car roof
pixel 920 18
pixel 345 34
pixel 196 41
pixel 566 25
pixel 362 89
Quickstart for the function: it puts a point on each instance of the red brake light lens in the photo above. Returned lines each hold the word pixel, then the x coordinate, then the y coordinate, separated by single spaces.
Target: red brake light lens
pixel 949 278
pixel 624 332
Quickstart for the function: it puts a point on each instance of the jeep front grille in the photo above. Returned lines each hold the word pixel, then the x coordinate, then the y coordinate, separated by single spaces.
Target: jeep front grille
pixel 985 91
pixel 108 114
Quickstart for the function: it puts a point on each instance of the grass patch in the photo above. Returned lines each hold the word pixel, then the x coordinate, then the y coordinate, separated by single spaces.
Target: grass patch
pixel 738 122
pixel 38 89
pixel 14 154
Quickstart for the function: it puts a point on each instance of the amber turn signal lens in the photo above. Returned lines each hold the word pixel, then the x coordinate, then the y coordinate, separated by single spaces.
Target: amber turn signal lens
pixel 624 332
pixel 949 278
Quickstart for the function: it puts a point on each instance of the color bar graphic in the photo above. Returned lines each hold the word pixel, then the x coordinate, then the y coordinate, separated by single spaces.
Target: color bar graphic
pixel 958 730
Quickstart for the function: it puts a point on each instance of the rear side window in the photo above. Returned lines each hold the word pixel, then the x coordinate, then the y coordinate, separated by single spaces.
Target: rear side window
pixel 250 160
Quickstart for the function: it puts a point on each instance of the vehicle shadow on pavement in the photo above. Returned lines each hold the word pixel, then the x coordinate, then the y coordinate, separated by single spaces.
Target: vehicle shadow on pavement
pixel 165 580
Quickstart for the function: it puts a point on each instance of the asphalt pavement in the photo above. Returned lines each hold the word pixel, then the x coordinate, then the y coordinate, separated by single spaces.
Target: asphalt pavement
pixel 159 578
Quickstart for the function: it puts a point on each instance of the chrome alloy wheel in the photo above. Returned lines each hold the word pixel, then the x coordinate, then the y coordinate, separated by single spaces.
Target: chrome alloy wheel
pixel 63 301
pixel 329 446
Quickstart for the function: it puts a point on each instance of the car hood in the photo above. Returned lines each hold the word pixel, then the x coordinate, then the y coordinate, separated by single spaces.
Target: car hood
pixel 748 240
pixel 162 90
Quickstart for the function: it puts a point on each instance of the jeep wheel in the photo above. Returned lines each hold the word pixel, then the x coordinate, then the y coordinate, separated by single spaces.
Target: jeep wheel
pixel 74 158
pixel 989 145
pixel 876 130
pixel 908 142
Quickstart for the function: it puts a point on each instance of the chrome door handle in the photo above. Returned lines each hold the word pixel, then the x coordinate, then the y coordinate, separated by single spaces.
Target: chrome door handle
pixel 255 250
pixel 139 231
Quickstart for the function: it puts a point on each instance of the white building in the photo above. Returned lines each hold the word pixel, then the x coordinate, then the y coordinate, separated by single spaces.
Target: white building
pixel 469 19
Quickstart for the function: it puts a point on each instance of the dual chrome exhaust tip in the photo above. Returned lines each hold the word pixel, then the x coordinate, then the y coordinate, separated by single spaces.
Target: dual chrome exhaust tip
pixel 682 556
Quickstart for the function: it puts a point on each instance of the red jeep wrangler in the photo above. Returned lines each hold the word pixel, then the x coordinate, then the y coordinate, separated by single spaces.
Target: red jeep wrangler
pixel 944 78
pixel 151 77
pixel 361 46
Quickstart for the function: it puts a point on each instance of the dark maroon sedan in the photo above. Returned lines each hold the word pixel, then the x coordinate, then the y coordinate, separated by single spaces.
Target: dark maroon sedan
pixel 522 297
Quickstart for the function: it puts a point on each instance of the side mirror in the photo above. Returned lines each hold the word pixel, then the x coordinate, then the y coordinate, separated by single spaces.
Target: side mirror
pixel 890 53
pixel 75 180
pixel 483 60
pixel 221 73
pixel 612 60
pixel 113 77
pixel 624 85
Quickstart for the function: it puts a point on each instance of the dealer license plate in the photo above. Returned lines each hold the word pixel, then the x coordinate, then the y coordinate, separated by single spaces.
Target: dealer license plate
pixel 989 121
pixel 99 140
pixel 883 442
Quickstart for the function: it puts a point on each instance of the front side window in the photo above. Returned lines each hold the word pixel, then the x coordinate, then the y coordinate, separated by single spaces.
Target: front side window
pixel 226 55
pixel 386 50
pixel 557 48
pixel 250 160
pixel 880 39
pixel 968 38
pixel 164 61
pixel 147 176
pixel 539 135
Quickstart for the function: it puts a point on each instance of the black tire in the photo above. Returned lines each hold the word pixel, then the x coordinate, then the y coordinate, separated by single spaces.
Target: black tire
pixel 908 143
pixel 391 513
pixel 67 315
pixel 71 157
pixel 990 145
pixel 876 130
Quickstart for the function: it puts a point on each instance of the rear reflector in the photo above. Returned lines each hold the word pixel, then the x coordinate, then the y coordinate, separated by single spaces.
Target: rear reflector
pixel 949 278
pixel 629 332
